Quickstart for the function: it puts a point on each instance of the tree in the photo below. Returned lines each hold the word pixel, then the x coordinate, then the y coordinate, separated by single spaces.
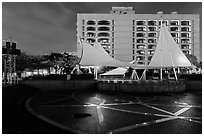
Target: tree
pixel 22 62
pixel 193 59
pixel 63 62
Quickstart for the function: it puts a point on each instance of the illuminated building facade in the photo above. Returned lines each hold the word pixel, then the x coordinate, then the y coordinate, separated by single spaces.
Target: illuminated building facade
pixel 128 36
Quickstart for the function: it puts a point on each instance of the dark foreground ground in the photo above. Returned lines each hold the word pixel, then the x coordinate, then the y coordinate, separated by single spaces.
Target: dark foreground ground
pixel 97 112
pixel 15 117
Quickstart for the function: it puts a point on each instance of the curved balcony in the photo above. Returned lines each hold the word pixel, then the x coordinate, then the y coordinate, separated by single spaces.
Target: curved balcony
pixel 90 22
pixel 90 40
pixel 174 23
pixel 103 34
pixel 150 52
pixel 104 28
pixel 185 23
pixel 152 40
pixel 186 35
pixel 185 46
pixel 152 34
pixel 104 22
pixel 90 34
pixel 152 28
pixel 141 46
pixel 141 29
pixel 140 34
pixel 174 28
pixel 149 58
pixel 104 40
pixel 141 40
pixel 186 52
pixel 139 58
pixel 185 41
pixel 141 22
pixel 185 29
pixel 151 46
pixel 152 23
pixel 174 34
pixel 90 28
pixel 140 52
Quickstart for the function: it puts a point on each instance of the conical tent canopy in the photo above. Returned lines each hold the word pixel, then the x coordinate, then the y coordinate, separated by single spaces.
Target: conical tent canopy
pixel 100 48
pixel 168 53
pixel 91 56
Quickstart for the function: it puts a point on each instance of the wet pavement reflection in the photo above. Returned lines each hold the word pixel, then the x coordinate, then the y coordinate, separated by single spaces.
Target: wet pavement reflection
pixel 102 112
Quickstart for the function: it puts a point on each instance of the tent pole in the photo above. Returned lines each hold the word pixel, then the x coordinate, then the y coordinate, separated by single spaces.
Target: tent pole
pixel 96 73
pixel 175 74
pixel 145 74
pixel 161 74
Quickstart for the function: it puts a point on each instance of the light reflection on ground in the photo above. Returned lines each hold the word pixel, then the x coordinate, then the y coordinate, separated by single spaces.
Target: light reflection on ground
pixel 121 113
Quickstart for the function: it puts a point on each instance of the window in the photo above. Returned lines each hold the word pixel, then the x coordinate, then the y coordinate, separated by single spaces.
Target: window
pixel 185 23
pixel 140 34
pixel 174 22
pixel 185 34
pixel 141 29
pixel 152 34
pixel 90 29
pixel 90 22
pixel 152 28
pixel 103 22
pixel 173 28
pixel 174 34
pixel 140 22
pixel 104 28
pixel 153 23
pixel 185 29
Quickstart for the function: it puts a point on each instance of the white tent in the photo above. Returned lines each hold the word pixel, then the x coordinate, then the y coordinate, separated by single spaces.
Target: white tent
pixel 95 56
pixel 168 53
pixel 118 71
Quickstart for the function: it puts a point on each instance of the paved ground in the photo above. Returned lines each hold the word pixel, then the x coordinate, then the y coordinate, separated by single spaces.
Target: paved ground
pixel 15 117
pixel 96 112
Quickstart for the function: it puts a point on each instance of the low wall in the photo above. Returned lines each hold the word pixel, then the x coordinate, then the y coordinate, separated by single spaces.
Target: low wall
pixel 55 85
pixel 149 86
pixel 193 85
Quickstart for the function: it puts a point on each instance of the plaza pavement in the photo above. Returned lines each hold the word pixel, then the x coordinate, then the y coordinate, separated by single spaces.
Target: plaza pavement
pixel 118 113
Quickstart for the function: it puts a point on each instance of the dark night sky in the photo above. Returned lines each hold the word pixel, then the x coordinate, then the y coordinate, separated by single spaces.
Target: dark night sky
pixel 41 28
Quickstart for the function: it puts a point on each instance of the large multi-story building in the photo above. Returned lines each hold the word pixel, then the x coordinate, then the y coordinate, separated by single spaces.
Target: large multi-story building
pixel 127 36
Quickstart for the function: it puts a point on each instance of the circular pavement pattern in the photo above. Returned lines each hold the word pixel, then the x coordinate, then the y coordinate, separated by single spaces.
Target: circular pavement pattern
pixel 99 113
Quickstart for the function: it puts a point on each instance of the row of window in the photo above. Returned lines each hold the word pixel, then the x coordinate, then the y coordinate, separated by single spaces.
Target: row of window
pixel 167 22
pixel 140 22
pixel 100 22
pixel 183 40
pixel 155 28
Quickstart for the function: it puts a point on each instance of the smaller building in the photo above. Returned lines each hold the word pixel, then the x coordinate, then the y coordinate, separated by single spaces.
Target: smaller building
pixel 9 53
